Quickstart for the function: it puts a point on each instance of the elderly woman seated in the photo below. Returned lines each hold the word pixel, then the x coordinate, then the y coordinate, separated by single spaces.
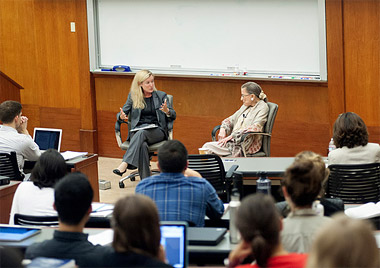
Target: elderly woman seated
pixel 251 116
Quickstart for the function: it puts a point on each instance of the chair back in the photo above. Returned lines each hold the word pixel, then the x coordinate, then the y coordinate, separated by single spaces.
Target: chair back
pixel 9 167
pixel 354 184
pixel 273 108
pixel 211 168
pixel 28 220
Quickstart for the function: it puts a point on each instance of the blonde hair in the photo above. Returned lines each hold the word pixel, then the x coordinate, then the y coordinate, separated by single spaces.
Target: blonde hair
pixel 136 90
pixel 344 242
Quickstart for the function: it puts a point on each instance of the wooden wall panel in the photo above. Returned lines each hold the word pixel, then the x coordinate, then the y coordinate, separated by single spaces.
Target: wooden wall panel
pixel 362 59
pixel 9 89
pixel 201 104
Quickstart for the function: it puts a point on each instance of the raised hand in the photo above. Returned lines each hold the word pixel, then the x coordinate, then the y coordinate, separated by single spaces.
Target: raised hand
pixel 164 107
pixel 123 116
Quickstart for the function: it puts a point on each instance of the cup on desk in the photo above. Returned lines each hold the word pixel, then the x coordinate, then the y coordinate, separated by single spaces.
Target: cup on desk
pixel 202 150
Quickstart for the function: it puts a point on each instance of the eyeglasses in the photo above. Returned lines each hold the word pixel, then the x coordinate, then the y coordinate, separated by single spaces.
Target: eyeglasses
pixel 243 95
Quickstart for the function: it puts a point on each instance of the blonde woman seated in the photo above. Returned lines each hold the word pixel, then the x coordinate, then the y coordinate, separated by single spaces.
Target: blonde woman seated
pixel 301 186
pixel 137 235
pixel 259 225
pixel 345 242
pixel 351 140
pixel 251 116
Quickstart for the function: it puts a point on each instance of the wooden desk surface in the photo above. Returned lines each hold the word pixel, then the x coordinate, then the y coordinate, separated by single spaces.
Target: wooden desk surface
pixel 6 197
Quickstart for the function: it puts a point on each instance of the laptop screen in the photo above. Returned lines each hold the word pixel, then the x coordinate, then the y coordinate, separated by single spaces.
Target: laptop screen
pixel 173 239
pixel 48 138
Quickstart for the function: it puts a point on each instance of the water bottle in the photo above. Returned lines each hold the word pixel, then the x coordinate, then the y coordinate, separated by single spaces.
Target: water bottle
pixel 318 208
pixel 331 145
pixel 233 206
pixel 263 184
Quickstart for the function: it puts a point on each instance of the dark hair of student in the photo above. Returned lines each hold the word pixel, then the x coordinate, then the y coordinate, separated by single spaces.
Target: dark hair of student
pixel 49 168
pixel 259 224
pixel 136 226
pixel 9 110
pixel 172 157
pixel 73 197
pixel 350 130
pixel 303 181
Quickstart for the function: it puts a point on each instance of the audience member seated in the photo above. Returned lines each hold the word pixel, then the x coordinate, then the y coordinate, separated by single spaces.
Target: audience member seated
pixel 73 196
pixel 251 116
pixel 330 205
pixel 301 186
pixel 345 242
pixel 351 140
pixel 36 197
pixel 176 196
pixel 14 135
pixel 137 235
pixel 259 225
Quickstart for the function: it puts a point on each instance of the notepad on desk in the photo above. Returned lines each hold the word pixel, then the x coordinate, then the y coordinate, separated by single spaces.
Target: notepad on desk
pixel 366 211
pixel 70 154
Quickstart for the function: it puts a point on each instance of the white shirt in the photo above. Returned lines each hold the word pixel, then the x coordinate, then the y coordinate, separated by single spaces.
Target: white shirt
pixel 31 200
pixel 22 144
pixel 367 154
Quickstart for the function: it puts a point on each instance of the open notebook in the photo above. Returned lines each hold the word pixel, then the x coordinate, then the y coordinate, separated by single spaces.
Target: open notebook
pixel 48 138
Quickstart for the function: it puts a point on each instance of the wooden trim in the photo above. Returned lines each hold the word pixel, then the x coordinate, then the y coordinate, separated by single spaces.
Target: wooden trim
pixel 11 80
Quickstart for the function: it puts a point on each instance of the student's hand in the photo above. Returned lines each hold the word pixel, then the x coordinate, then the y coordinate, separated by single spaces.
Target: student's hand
pixel 123 116
pixel 192 173
pixel 224 141
pixel 241 252
pixel 22 128
pixel 164 107
pixel 222 134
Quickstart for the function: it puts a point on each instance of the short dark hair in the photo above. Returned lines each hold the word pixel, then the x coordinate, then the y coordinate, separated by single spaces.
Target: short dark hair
pixel 350 130
pixel 258 222
pixel 49 168
pixel 73 197
pixel 172 157
pixel 136 225
pixel 9 110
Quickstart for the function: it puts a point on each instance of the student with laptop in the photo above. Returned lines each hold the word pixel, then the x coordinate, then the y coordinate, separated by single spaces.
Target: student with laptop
pixel 35 197
pixel 72 200
pixel 137 235
pixel 14 135
pixel 180 198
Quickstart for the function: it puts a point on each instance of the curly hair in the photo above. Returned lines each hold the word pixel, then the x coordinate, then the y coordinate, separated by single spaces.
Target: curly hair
pixel 350 130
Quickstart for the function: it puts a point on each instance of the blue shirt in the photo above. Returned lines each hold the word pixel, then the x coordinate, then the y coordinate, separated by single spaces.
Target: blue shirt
pixel 180 198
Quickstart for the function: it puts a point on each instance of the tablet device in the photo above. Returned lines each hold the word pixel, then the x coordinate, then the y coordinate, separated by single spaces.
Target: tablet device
pixel 174 241
pixel 17 234
pixel 48 138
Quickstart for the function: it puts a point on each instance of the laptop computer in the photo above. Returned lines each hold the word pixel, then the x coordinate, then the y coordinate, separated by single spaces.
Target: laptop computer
pixel 17 234
pixel 209 236
pixel 48 138
pixel 174 241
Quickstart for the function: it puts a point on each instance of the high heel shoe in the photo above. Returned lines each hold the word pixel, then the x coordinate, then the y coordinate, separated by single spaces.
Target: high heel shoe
pixel 118 172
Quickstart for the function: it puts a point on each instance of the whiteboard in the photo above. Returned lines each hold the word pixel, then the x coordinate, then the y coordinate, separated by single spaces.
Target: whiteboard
pixel 269 37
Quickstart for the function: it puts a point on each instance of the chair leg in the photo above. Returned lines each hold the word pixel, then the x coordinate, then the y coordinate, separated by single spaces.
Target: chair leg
pixel 131 176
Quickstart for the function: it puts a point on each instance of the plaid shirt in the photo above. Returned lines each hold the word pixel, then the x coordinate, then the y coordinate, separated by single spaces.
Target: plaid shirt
pixel 180 198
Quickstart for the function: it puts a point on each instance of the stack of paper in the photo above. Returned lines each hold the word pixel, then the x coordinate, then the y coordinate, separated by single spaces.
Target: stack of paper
pixel 70 154
pixel 365 211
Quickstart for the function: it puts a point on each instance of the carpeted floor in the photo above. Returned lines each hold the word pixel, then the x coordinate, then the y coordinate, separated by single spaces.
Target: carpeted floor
pixel 105 167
